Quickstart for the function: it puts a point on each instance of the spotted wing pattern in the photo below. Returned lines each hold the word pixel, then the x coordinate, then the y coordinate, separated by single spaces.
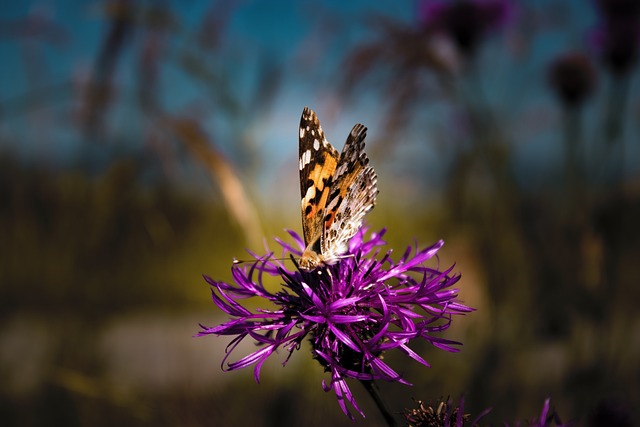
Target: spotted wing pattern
pixel 337 190
pixel 318 161
pixel 353 194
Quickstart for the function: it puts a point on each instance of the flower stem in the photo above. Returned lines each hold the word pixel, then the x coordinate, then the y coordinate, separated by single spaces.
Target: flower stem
pixel 372 388
pixel 613 144
pixel 573 157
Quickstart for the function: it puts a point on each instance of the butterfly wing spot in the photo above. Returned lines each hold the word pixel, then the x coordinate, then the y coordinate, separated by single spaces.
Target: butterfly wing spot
pixel 305 159
pixel 328 220
pixel 308 199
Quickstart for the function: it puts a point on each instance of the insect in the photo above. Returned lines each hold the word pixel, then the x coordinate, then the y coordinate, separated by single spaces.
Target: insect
pixel 337 191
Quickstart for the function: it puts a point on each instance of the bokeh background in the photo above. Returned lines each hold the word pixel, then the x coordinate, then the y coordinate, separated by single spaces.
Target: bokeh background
pixel 145 143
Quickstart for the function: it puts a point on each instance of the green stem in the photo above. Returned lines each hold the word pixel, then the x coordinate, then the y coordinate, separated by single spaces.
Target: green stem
pixel 613 144
pixel 372 388
pixel 573 157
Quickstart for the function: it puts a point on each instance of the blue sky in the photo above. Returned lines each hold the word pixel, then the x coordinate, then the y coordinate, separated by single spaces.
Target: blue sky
pixel 307 42
pixel 256 31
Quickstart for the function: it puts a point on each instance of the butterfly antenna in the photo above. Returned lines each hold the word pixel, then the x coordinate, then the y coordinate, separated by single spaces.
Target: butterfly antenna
pixel 237 261
pixel 295 261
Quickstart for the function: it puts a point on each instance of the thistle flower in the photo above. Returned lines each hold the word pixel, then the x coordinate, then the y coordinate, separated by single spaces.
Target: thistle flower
pixel 618 9
pixel 573 77
pixel 547 418
pixel 617 36
pixel 441 413
pixel 445 414
pixel 466 22
pixel 610 412
pixel 352 311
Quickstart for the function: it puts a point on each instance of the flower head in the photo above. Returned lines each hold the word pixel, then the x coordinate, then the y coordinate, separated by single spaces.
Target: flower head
pixel 610 412
pixel 352 311
pixel 618 9
pixel 573 78
pixel 441 413
pixel 444 413
pixel 466 22
pixel 548 418
pixel 617 36
pixel 617 44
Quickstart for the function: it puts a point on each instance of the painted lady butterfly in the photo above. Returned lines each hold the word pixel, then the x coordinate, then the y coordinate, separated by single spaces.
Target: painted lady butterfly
pixel 337 191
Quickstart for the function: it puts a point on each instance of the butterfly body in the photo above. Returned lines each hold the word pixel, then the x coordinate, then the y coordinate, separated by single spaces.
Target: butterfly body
pixel 337 190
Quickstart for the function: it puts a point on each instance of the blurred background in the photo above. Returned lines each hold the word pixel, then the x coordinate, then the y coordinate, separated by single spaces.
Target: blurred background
pixel 145 143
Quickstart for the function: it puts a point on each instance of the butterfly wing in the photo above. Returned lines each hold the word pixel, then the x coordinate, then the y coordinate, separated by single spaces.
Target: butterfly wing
pixel 353 194
pixel 318 161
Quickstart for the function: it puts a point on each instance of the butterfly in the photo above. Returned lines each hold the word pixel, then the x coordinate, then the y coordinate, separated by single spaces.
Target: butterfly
pixel 337 190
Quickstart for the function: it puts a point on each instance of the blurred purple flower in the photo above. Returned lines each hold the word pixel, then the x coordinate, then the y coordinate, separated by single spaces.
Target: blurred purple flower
pixel 547 418
pixel 445 414
pixel 466 22
pixel 618 9
pixel 617 44
pixel 617 36
pixel 441 413
pixel 573 77
pixel 352 311
pixel 610 412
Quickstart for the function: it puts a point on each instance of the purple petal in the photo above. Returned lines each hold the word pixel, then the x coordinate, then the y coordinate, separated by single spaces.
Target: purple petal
pixel 349 305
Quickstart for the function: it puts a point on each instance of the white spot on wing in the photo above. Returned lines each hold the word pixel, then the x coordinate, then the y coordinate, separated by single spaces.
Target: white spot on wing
pixel 342 169
pixel 301 132
pixel 316 144
pixel 310 194
pixel 305 159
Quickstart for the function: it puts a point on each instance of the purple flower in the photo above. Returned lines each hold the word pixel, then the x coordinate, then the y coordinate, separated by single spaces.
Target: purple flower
pixel 441 413
pixel 466 22
pixel 352 311
pixel 573 77
pixel 547 418
pixel 610 412
pixel 618 9
pixel 617 44
pixel 617 36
